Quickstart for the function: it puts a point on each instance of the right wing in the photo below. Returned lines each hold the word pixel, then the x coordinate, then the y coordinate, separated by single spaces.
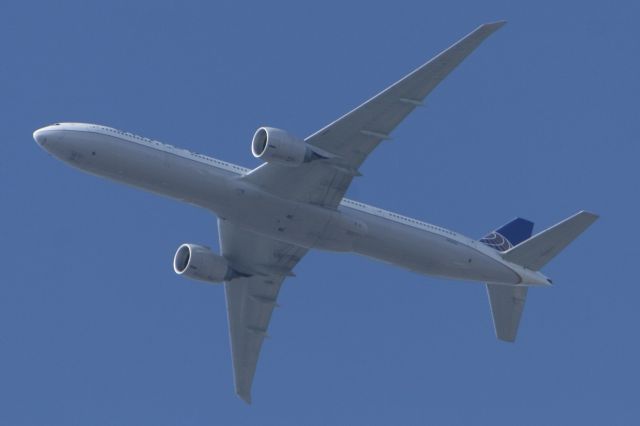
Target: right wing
pixel 252 298
pixel 352 137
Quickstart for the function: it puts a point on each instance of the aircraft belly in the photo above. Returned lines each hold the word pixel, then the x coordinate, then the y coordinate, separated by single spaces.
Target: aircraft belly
pixel 302 224
pixel 284 220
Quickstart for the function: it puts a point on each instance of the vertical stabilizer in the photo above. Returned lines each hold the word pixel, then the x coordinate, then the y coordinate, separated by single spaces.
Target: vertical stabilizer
pixel 509 235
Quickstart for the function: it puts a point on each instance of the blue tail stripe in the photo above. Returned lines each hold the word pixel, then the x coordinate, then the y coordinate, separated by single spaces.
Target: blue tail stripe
pixel 509 235
pixel 516 231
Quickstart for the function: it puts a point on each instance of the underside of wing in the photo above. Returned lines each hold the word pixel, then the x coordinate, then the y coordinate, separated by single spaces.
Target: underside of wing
pixel 252 298
pixel 352 137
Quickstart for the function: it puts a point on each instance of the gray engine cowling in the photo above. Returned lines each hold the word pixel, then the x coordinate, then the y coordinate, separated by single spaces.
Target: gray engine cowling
pixel 275 145
pixel 200 263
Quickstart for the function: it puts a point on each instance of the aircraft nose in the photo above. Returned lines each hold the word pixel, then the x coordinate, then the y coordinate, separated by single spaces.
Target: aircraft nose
pixel 40 136
pixel 48 137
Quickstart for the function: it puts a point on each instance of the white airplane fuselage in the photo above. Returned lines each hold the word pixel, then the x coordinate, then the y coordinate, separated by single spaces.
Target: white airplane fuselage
pixel 218 186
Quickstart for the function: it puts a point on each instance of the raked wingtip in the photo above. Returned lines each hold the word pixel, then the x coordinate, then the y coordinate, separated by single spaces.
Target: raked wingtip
pixel 245 396
pixel 494 25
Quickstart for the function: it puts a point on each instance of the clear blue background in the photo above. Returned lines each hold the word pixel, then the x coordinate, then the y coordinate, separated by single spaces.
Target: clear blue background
pixel 543 120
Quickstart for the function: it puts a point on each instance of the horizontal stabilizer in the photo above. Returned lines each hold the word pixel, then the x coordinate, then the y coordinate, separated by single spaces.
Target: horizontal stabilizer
pixel 538 250
pixel 507 304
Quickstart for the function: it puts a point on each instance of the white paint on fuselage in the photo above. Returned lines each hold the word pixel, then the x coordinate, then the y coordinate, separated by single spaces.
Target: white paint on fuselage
pixel 219 187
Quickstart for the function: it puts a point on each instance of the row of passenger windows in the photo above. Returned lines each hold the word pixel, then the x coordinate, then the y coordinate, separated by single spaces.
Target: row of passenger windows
pixel 222 164
pixel 397 217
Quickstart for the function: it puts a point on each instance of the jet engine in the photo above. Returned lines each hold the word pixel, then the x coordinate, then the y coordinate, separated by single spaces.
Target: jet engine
pixel 200 263
pixel 275 145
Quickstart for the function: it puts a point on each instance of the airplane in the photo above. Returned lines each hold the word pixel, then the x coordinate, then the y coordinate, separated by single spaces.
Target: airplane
pixel 271 216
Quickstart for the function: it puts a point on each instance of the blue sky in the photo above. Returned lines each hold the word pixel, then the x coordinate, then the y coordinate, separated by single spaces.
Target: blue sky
pixel 540 122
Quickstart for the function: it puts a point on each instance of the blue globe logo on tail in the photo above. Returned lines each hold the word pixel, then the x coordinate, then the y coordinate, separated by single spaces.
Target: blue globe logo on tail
pixel 509 235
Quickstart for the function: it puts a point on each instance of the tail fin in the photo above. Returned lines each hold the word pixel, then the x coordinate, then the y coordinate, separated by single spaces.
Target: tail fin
pixel 509 235
pixel 507 302
pixel 538 250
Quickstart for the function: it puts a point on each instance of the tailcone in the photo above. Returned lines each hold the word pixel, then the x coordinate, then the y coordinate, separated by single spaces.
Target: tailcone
pixel 535 278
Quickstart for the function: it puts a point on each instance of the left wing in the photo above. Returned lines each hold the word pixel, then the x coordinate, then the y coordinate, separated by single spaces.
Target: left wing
pixel 251 298
pixel 352 137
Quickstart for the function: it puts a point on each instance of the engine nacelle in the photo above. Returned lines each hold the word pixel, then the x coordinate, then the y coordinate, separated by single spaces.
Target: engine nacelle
pixel 200 263
pixel 275 145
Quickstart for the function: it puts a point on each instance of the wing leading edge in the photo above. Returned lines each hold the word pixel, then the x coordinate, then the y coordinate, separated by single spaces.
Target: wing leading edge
pixel 251 299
